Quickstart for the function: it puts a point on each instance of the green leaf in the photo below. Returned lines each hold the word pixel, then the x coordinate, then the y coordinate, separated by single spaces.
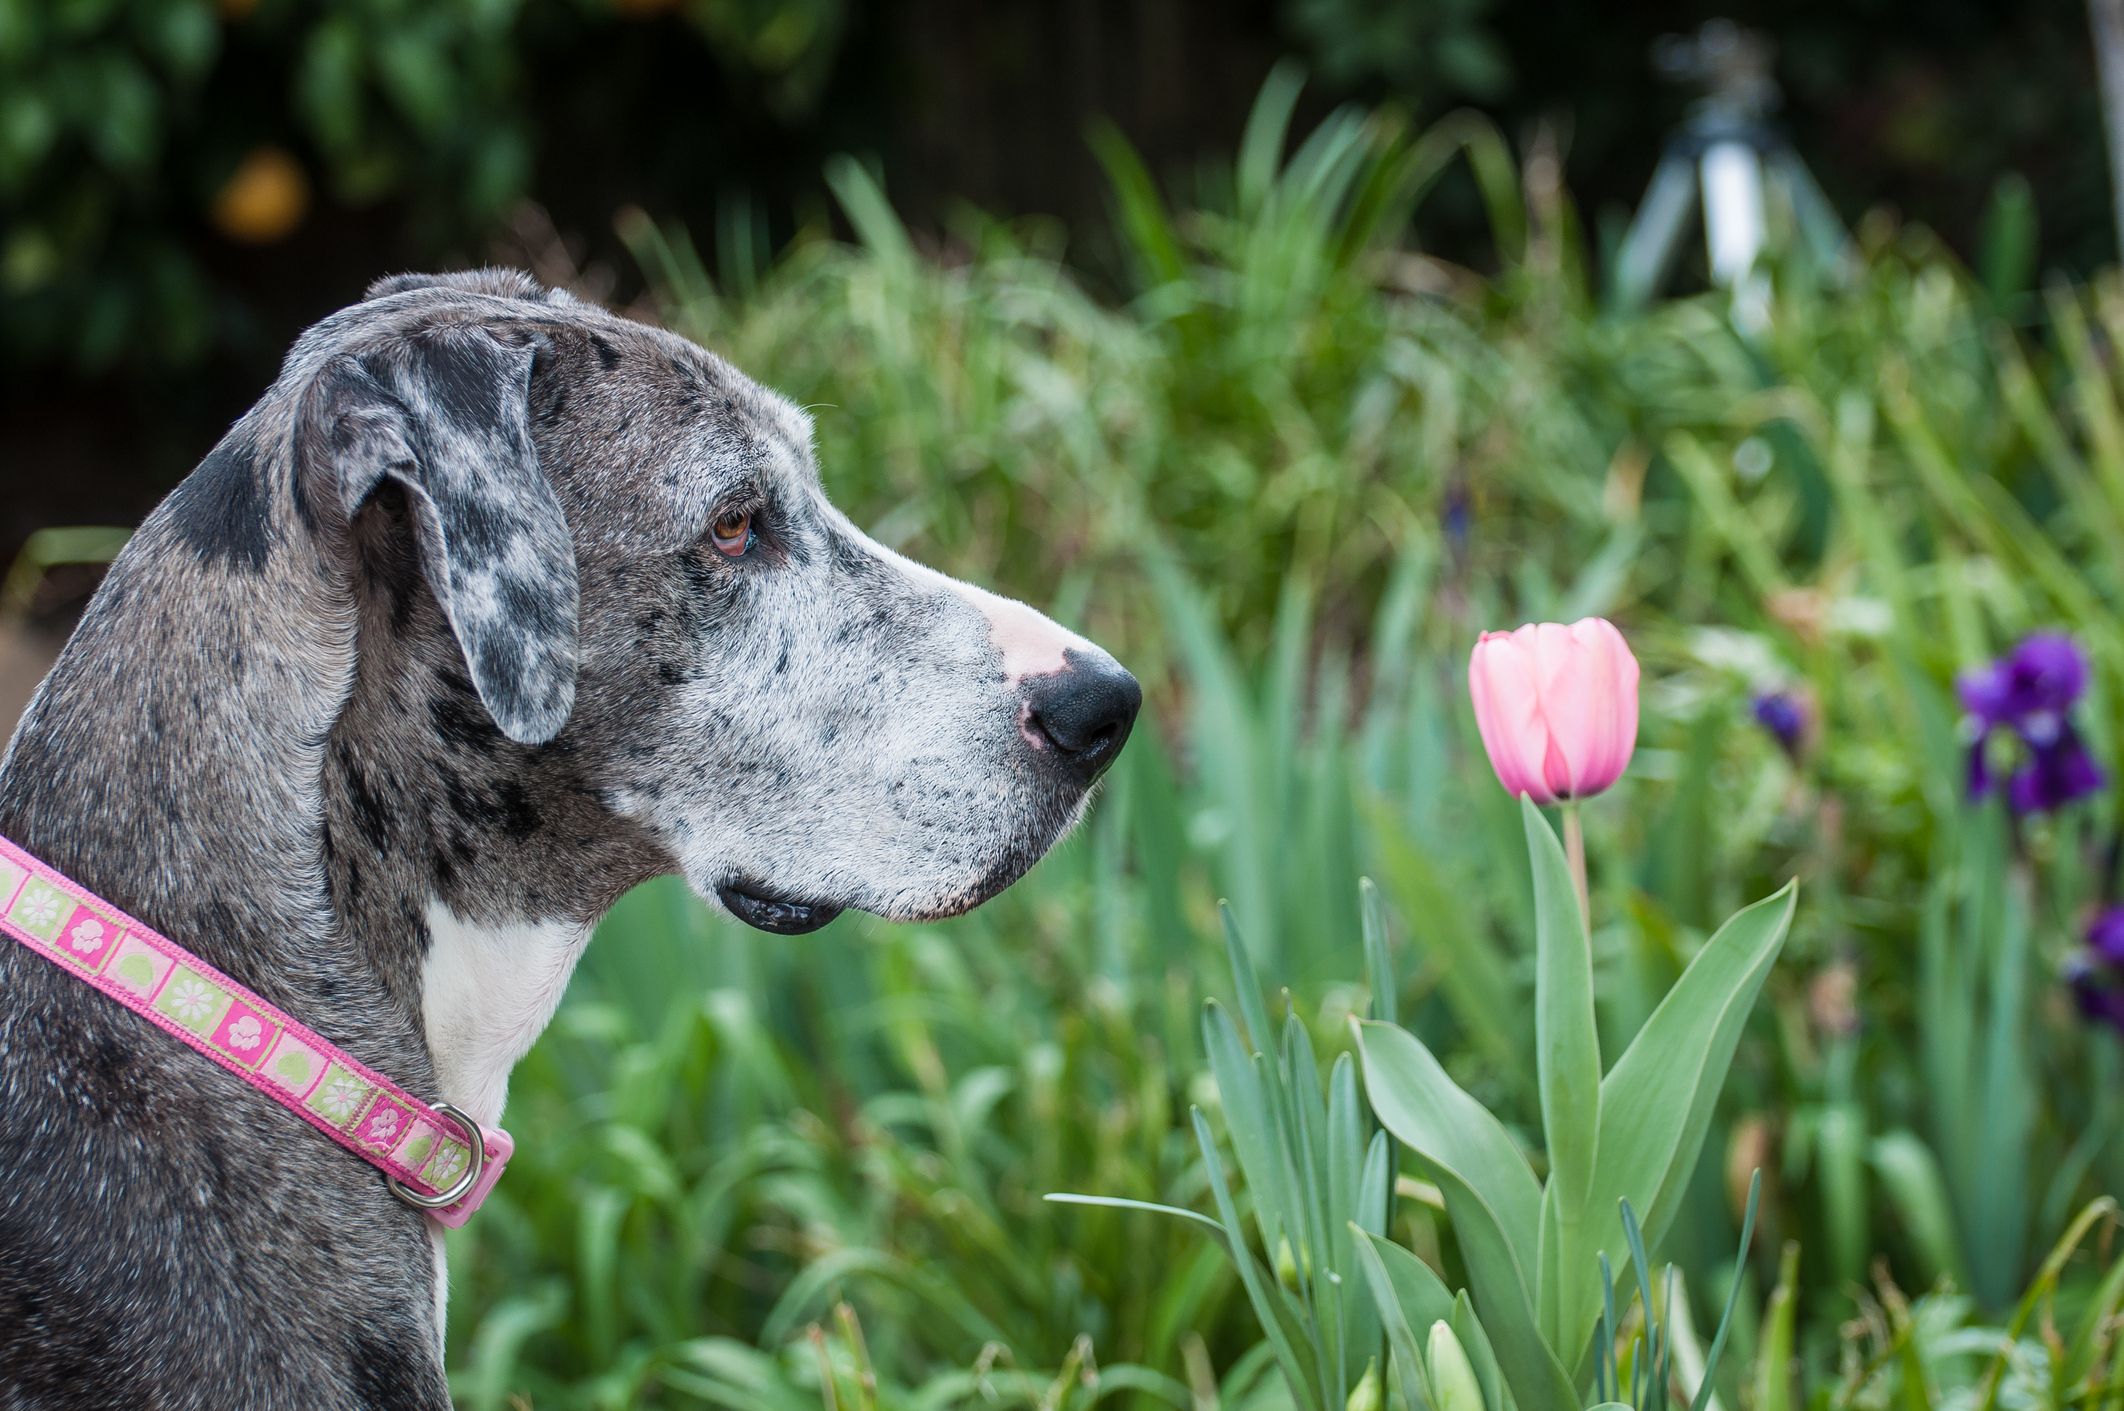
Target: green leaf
pixel 1705 1381
pixel 2097 1328
pixel 869 212
pixel 1917 1192
pixel 1490 1198
pixel 2043 1288
pixel 1839 1162
pixel 1144 219
pixel 1378 958
pixel 1774 1359
pixel 1272 1306
pixel 1249 1121
pixel 1349 1159
pixel 1451 1133
pixel 1261 146
pixel 1115 1202
pixel 1567 1055
pixel 1656 1103
pixel 1245 981
pixel 1913 1383
pixel 1408 1296
pixel 1476 1341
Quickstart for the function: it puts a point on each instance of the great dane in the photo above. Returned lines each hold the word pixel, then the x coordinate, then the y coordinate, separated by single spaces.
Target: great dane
pixel 495 605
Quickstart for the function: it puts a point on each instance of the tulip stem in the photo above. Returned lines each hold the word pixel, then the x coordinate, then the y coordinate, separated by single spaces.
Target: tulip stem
pixel 1575 851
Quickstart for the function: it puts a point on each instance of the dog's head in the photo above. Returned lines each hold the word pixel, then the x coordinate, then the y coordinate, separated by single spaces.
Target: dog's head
pixel 637 568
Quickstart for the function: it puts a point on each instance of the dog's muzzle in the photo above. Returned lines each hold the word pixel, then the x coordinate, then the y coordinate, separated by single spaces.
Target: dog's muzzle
pixel 1074 721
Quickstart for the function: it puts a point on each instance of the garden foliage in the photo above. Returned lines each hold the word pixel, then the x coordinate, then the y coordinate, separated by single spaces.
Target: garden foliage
pixel 1290 477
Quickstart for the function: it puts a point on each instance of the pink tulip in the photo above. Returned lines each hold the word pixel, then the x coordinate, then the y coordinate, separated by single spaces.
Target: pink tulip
pixel 1557 707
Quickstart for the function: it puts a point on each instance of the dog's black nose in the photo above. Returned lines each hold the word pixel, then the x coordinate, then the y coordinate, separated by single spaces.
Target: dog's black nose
pixel 1083 713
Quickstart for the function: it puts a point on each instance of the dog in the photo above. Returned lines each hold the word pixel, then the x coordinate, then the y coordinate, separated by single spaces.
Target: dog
pixel 495 605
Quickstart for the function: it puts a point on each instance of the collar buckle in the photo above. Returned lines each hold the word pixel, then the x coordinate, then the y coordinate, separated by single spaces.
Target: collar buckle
pixel 491 1149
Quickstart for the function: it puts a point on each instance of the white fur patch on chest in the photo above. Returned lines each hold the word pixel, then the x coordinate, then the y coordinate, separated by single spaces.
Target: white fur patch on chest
pixel 486 995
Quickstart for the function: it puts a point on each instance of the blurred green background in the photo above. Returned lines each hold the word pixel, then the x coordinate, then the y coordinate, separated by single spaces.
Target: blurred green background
pixel 185 183
pixel 1275 345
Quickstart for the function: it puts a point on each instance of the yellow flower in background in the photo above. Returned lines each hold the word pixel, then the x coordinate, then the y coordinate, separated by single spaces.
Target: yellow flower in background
pixel 263 200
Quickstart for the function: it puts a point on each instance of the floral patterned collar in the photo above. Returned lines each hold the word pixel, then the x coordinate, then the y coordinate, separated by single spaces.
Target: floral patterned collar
pixel 432 1156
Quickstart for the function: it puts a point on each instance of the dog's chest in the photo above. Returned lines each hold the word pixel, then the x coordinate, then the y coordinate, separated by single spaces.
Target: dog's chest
pixel 486 994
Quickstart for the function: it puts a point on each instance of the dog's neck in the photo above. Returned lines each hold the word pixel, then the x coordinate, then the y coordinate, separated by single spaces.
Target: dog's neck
pixel 292 778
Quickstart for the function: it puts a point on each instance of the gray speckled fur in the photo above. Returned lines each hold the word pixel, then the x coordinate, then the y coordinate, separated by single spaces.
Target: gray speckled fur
pixel 435 621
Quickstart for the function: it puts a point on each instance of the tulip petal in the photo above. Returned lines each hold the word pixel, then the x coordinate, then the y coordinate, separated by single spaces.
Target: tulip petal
pixel 1557 707
pixel 1579 702
pixel 1587 681
pixel 1614 731
pixel 1557 673
pixel 1501 682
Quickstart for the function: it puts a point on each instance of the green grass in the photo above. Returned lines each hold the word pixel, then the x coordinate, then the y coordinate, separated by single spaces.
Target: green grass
pixel 772 1173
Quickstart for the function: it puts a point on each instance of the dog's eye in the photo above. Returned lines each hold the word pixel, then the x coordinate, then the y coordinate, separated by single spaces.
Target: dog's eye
pixel 732 533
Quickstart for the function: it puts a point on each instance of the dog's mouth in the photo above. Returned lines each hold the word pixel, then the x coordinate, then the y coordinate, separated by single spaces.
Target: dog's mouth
pixel 766 909
pixel 781 915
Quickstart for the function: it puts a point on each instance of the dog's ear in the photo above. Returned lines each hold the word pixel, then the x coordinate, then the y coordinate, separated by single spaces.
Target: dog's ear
pixel 445 412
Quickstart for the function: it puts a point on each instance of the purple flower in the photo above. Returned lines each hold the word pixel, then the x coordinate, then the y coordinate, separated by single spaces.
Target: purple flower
pixel 2058 772
pixel 1979 779
pixel 2098 996
pixel 2105 935
pixel 1785 717
pixel 2030 688
pixel 2029 693
pixel 1459 515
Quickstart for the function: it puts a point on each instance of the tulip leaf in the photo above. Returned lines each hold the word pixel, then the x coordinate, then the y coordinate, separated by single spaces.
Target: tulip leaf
pixel 1247 1118
pixel 1306 1119
pixel 1451 1133
pixel 1351 1163
pixel 1378 960
pixel 1569 1068
pixel 1656 1104
pixel 1282 1322
pixel 1115 1202
pixel 1552 1274
pixel 1408 1296
pixel 1490 1198
pixel 1245 981
pixel 1476 1342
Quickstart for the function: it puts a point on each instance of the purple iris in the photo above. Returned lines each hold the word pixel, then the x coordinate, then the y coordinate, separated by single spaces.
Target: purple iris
pixel 2030 693
pixel 2040 679
pixel 2105 935
pixel 1785 717
pixel 1459 515
pixel 2055 775
pixel 2097 992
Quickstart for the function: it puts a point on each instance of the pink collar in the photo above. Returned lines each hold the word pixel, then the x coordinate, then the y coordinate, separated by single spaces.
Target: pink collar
pixel 434 1156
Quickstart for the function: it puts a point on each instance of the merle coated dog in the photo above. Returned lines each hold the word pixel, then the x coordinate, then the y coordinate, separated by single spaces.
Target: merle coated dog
pixel 495 605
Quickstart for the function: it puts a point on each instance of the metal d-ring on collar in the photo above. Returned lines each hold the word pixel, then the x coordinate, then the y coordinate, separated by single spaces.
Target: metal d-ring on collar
pixel 478 1142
